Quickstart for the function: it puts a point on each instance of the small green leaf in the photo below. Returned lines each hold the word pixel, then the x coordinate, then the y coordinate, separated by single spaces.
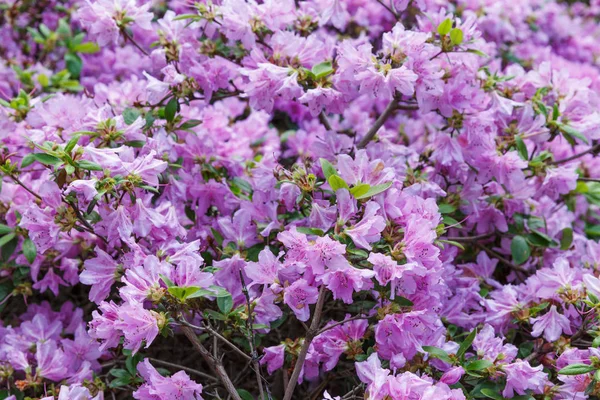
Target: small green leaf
pixel 438 353
pixel 403 301
pixel 245 395
pixel 86 48
pixel 4 229
pixel 477 52
pixel 445 26
pixel 328 168
pixel 572 133
pixel 310 231
pixel 225 304
pixel 478 365
pixel 360 190
pixel 464 346
pixel 322 70
pixel 566 239
pixel 375 190
pixel 7 238
pixel 130 115
pixel 190 124
pixel 492 394
pixel 576 369
pixel 135 143
pixel 456 36
pixel 71 143
pixel 446 208
pixel 336 182
pixel 520 250
pixel 27 160
pixel 29 250
pixel 452 243
pixel 46 159
pixel 89 165
pixel 171 109
pixel 166 280
pixel 521 148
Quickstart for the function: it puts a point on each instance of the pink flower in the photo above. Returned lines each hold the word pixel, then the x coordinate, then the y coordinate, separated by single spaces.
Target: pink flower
pixel 273 358
pixel 552 324
pixel 137 324
pixel 298 296
pixel 99 272
pixel 520 376
pixel 157 387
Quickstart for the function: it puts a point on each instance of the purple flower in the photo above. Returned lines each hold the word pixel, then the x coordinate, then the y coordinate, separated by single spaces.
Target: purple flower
pixel 552 324
pixel 273 357
pixel 298 296
pixel 99 272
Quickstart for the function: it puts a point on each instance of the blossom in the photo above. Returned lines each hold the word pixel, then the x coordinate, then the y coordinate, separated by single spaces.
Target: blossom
pixel 552 324
pixel 298 296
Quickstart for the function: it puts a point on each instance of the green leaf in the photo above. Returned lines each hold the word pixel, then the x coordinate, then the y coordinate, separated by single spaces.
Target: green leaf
pixel 27 160
pixel 215 315
pixel 478 365
pixel 71 143
pixel 190 124
pixel 130 115
pixel 566 239
pixel 576 369
pixel 464 346
pixel 4 229
pixel 478 52
pixel 360 190
pixel 403 301
pixel 245 395
pixel 520 250
pixel 166 280
pixel 225 304
pixel 183 293
pixel 74 64
pixel 135 143
pixel 446 208
pixel 310 231
pixel 521 148
pixel 328 168
pixel 46 159
pixel 89 165
pixel 540 307
pixel 7 238
pixel 29 250
pixel 171 109
pixel 322 70
pixel 375 190
pixel 436 352
pixel 336 182
pixel 492 394
pixel 452 243
pixel 456 36
pixel 444 27
pixel 572 133
pixel 86 48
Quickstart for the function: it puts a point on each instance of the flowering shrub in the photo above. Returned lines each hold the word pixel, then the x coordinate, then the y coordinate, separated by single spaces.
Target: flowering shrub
pixel 315 199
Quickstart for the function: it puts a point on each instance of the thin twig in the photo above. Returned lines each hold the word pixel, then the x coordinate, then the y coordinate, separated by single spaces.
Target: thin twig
pixel 356 317
pixel 217 335
pixel 133 42
pixel 18 182
pixel 214 363
pixel 593 149
pixel 183 368
pixel 310 335
pixel 469 238
pixel 378 124
pixel 250 338
pixel 325 121
pixel 502 259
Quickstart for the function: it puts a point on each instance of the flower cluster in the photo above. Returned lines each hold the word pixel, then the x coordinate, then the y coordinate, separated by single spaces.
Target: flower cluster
pixel 278 199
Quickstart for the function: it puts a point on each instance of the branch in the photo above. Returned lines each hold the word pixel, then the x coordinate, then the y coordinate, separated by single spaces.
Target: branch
pixel 18 182
pixel 310 335
pixel 250 337
pixel 325 329
pixel 181 367
pixel 133 42
pixel 594 149
pixel 502 259
pixel 217 335
pixel 214 363
pixel 378 124
pixel 469 238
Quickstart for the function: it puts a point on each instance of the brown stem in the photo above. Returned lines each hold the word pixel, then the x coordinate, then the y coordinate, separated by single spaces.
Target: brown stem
pixel 18 182
pixel 325 121
pixel 310 335
pixel 250 338
pixel 133 42
pixel 378 124
pixel 218 336
pixel 181 367
pixel 469 238
pixel 325 329
pixel 594 149
pixel 214 363
pixel 502 259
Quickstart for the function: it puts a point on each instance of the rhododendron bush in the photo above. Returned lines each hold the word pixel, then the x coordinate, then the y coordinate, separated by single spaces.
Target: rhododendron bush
pixel 314 199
